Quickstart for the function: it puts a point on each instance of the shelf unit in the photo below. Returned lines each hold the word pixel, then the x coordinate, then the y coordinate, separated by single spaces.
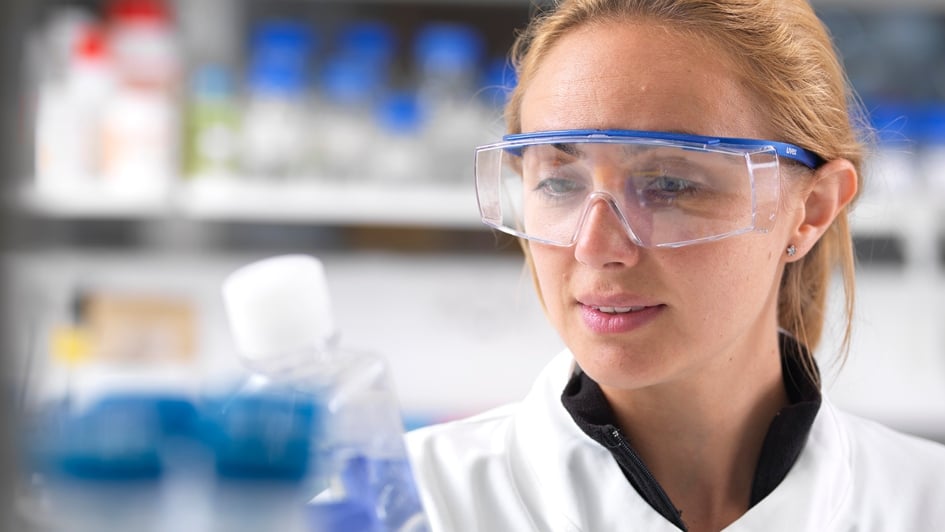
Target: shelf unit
pixel 425 204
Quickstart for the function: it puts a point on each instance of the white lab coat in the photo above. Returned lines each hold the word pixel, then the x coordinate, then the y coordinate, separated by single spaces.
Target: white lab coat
pixel 528 467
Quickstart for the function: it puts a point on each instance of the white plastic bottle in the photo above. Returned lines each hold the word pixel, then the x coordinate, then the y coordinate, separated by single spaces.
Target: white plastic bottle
pixel 69 117
pixel 280 316
pixel 141 123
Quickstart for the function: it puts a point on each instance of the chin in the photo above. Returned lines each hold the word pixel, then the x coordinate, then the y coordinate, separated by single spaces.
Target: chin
pixel 622 366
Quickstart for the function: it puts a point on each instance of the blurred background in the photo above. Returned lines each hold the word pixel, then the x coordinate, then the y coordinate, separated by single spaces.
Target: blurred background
pixel 153 146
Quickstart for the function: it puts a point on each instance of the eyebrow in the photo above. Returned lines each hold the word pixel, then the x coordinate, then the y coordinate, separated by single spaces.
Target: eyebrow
pixel 569 148
pixel 684 132
pixel 573 149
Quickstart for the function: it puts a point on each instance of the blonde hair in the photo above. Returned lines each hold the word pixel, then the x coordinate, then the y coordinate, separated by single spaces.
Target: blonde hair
pixel 791 66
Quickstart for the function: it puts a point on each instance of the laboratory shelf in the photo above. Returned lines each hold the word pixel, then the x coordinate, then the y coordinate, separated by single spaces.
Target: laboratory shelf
pixel 303 201
pixel 332 203
pixel 313 201
pixel 89 201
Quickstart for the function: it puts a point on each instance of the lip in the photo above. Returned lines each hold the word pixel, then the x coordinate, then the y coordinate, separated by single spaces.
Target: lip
pixel 600 322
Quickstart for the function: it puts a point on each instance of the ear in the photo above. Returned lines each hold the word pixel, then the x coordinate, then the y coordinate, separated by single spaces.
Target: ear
pixel 833 187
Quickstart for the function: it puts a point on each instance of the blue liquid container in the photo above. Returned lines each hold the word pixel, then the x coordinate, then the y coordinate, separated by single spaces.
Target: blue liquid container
pixel 357 469
pixel 261 439
pixel 104 467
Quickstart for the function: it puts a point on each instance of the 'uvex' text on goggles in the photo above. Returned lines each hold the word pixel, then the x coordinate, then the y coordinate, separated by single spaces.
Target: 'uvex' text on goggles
pixel 667 189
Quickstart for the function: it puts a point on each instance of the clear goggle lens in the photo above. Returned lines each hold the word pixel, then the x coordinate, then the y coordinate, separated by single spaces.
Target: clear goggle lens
pixel 666 193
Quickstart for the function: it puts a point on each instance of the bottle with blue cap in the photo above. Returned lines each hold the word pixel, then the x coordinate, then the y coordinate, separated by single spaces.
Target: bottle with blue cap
pixel 400 155
pixel 447 62
pixel 926 230
pixel 277 107
pixel 369 41
pixel 352 78
pixel 343 126
pixel 891 168
pixel 931 150
pixel 498 82
pixel 359 475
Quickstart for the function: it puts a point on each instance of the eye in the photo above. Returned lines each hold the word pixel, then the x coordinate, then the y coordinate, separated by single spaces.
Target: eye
pixel 559 187
pixel 665 189
pixel 670 185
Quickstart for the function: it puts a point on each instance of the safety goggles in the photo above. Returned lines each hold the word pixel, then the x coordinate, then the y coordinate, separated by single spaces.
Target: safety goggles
pixel 667 189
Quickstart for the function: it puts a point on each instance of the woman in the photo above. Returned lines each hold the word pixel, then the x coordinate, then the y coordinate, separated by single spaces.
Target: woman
pixel 680 174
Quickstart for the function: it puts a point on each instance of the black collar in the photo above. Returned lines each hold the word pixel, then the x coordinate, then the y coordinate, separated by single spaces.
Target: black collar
pixel 787 434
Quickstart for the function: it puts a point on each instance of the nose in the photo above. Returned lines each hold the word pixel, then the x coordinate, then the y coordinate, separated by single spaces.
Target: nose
pixel 603 239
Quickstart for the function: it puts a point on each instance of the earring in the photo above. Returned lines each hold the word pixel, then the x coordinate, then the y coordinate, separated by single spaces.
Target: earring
pixel 791 250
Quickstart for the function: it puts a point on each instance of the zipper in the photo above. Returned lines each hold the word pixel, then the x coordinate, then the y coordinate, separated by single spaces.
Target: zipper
pixel 667 508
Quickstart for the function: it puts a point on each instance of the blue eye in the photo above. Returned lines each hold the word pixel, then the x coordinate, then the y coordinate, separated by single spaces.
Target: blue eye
pixel 559 187
pixel 666 189
pixel 670 185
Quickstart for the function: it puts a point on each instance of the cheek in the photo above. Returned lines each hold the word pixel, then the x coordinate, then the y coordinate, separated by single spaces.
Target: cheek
pixel 552 271
pixel 732 283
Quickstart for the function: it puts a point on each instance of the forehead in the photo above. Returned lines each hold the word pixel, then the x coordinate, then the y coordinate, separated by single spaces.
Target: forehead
pixel 635 75
pixel 623 156
pixel 610 150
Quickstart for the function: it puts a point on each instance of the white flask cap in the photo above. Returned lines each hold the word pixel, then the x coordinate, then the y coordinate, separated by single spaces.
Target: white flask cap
pixel 278 305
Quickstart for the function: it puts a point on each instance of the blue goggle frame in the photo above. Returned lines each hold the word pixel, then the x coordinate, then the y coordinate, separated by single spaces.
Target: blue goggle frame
pixel 783 149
